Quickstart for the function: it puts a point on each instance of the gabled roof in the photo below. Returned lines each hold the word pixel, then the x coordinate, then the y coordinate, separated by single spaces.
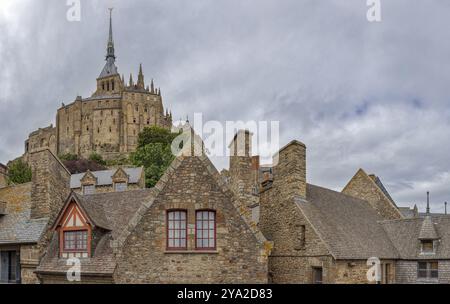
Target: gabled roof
pixel 111 211
pixel 348 226
pixel 104 177
pixel 405 235
pixel 16 226
pixel 428 231
pixel 169 174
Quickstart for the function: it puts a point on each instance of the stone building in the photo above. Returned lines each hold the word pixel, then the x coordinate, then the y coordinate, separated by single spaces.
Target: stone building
pixel 187 229
pixel 109 121
pixel 121 179
pixel 3 175
pixel 25 213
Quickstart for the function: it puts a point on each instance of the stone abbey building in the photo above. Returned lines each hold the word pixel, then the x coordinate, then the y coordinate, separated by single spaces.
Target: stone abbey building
pixel 109 121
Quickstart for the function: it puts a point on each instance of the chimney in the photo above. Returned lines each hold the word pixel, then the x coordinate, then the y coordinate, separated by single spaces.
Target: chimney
pixel 50 184
pixel 243 170
pixel 428 202
pixel 290 171
pixel 445 206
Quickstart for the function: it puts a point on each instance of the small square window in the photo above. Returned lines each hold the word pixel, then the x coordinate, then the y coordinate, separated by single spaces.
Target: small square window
pixel 427 246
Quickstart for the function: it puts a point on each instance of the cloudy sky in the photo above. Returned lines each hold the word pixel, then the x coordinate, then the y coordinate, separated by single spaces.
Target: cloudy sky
pixel 358 94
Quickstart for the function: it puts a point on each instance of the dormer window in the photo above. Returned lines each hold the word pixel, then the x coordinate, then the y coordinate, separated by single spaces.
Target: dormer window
pixel 120 187
pixel 427 246
pixel 74 233
pixel 88 189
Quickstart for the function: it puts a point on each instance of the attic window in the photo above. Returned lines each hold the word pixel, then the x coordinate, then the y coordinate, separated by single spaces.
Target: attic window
pixel 75 240
pixel 427 246
pixel 88 189
pixel 74 233
pixel 120 187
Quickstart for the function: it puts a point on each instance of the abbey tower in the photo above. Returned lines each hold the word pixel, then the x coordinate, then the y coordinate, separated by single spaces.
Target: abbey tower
pixel 109 121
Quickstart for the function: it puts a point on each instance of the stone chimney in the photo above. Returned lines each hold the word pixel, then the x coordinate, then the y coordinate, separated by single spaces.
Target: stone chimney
pixel 244 171
pixel 290 170
pixel 50 184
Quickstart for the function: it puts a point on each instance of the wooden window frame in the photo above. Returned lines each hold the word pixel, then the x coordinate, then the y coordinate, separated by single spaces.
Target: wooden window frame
pixel 215 230
pixel 169 229
pixel 75 231
pixel 61 230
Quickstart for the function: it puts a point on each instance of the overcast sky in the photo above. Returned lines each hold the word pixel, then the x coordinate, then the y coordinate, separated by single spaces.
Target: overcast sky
pixel 358 94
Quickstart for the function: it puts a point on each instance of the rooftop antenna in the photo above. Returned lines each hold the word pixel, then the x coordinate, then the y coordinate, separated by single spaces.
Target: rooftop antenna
pixel 428 202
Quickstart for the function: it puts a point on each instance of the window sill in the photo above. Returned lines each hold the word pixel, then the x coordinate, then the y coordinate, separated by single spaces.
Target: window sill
pixel 191 252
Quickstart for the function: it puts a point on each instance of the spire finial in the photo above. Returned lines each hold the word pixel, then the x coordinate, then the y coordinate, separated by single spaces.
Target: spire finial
pixel 428 202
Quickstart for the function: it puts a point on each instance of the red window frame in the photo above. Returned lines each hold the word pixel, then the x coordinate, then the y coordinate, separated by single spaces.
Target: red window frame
pixel 176 230
pixel 77 237
pixel 208 229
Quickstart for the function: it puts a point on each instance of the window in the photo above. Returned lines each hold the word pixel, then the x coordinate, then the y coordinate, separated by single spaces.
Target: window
pixel 88 189
pixel 120 187
pixel 176 230
pixel 317 275
pixel 107 86
pixel 427 247
pixel 75 240
pixel 103 86
pixel 205 230
pixel 427 270
pixel 9 267
pixel 112 83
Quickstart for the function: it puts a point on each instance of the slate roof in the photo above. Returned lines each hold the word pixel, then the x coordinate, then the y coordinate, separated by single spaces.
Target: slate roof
pixel 16 227
pixel 405 236
pixel 428 231
pixel 104 177
pixel 380 185
pixel 109 211
pixel 408 212
pixel 348 226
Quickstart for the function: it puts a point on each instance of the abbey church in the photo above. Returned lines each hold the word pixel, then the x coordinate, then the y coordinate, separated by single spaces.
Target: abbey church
pixel 109 121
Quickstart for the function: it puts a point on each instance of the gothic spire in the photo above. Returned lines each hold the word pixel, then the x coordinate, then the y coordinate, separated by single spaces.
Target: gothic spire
pixel 140 82
pixel 110 46
pixel 110 67
pixel 131 80
pixel 152 87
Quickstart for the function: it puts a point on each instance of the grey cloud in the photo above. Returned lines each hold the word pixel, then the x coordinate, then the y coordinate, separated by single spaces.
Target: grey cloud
pixel 358 94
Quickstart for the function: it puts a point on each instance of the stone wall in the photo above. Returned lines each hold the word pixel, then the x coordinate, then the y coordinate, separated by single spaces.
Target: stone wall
pixel 297 247
pixel 43 138
pixel 355 272
pixel 3 176
pixel 407 273
pixel 239 255
pixel 50 184
pixel 363 187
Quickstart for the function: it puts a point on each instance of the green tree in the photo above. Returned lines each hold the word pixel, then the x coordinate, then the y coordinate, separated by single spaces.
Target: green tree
pixel 19 172
pixel 155 135
pixel 97 158
pixel 155 158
